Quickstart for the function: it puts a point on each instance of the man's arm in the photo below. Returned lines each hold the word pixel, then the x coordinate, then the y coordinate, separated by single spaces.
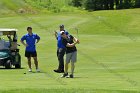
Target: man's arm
pixel 76 40
pixel 55 34
pixel 37 40
pixel 23 43
pixel 71 45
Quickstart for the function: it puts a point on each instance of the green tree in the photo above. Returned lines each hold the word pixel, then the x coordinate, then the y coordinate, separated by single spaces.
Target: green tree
pixel 94 4
pixel 127 4
pixel 121 4
pixel 137 3
pixel 99 4
pixel 117 4
pixel 77 3
pixel 111 4
pixel 106 4
pixel 90 4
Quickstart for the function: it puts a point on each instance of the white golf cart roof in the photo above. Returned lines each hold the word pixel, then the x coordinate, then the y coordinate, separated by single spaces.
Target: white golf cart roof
pixel 5 31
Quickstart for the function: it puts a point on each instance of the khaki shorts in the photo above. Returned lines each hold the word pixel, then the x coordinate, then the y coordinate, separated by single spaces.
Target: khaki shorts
pixel 71 57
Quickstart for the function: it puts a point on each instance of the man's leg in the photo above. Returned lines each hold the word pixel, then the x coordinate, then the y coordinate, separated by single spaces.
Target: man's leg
pixel 68 57
pixel 35 62
pixel 66 71
pixel 66 67
pixel 72 67
pixel 60 55
pixel 29 63
pixel 27 55
pixel 61 59
pixel 73 60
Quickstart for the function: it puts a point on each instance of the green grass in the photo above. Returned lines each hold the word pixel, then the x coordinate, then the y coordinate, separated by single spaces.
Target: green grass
pixel 10 7
pixel 108 55
pixel 67 91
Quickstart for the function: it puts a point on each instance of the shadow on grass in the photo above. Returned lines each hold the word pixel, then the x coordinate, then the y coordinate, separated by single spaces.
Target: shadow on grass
pixel 11 68
pixel 80 77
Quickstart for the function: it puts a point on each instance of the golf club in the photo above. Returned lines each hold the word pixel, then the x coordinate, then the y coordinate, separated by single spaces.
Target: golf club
pixel 77 32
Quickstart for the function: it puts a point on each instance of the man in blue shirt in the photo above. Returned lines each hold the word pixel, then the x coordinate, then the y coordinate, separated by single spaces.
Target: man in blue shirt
pixel 31 40
pixel 61 49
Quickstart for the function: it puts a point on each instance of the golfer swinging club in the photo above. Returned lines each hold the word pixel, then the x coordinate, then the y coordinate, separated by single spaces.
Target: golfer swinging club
pixel 31 40
pixel 71 52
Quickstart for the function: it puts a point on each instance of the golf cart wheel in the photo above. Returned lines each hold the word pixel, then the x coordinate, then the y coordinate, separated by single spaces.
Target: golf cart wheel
pixel 8 64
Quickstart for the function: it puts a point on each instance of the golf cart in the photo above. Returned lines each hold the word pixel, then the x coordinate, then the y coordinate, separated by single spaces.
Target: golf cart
pixel 9 53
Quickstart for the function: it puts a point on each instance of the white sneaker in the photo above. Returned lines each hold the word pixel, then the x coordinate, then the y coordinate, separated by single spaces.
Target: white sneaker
pixel 30 70
pixel 38 70
pixel 64 75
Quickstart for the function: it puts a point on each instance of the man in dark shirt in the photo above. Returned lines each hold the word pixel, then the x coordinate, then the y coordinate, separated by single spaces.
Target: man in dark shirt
pixel 71 52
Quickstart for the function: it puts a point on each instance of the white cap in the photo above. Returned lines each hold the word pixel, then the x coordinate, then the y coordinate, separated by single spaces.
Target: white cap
pixel 62 32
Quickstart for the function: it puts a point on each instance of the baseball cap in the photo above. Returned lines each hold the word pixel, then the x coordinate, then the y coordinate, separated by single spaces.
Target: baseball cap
pixel 61 26
pixel 62 32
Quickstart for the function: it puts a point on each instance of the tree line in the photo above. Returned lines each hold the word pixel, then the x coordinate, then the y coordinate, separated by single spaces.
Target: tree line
pixel 94 5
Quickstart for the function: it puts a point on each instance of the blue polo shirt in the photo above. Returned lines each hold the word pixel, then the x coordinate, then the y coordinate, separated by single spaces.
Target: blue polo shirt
pixel 59 40
pixel 30 40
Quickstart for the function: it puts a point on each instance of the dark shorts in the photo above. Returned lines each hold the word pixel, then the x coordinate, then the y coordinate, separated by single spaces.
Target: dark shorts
pixel 30 54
